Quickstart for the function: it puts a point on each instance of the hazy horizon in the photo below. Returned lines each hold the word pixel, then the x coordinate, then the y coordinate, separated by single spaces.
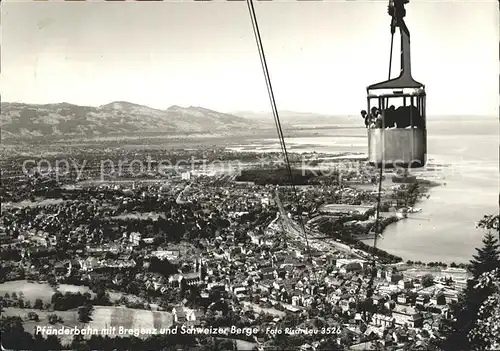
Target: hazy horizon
pixel 259 114
pixel 204 54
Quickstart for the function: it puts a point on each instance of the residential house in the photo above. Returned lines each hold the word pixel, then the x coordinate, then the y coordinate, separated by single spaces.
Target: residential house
pixel 406 315
pixel 342 262
pixel 256 239
pixel 382 273
pixel 193 317
pixel 166 254
pixel 235 252
pixel 405 299
pixel 401 336
pixel 378 299
pixel 52 240
pixel 135 238
pixel 381 320
pixel 307 300
pixel 421 300
pixel 149 241
pixel 88 264
pixel 405 284
pixel 394 277
pixel 60 269
pixel 460 284
pixel 267 273
pixel 438 299
pixel 239 290
pixel 179 315
pixel 292 309
pixel 265 201
pixel 390 304
pixel 450 295
pixel 216 286
pixel 344 305
pixel 193 278
pixel 118 279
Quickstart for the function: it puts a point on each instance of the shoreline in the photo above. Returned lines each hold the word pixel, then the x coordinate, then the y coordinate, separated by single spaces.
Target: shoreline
pixel 342 157
pixel 412 239
pixel 422 196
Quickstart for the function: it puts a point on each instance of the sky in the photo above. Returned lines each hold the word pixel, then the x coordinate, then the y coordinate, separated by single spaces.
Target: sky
pixel 321 55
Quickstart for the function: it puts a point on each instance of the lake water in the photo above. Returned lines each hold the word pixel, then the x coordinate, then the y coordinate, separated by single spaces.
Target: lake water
pixel 445 229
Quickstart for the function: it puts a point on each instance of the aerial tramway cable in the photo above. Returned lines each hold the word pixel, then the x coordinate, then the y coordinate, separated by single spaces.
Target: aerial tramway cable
pixel 263 62
pixel 382 168
pixel 281 137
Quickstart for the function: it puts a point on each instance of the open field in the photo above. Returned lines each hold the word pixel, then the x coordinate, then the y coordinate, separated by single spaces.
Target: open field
pixel 272 311
pixel 28 203
pixel 31 291
pixel 34 290
pixel 116 295
pixel 64 288
pixel 103 317
pixel 70 320
pixel 244 345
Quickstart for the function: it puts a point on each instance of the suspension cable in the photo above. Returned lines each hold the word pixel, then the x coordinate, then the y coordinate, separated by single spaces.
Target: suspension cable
pixel 263 63
pixel 377 214
pixel 276 119
pixel 270 92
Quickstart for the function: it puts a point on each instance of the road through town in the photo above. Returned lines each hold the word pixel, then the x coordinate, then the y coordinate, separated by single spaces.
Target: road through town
pixel 294 229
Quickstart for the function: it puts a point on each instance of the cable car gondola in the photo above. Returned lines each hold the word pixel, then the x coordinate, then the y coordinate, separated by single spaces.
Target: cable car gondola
pixel 398 138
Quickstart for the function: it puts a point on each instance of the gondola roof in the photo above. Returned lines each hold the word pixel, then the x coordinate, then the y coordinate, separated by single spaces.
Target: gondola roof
pixel 400 82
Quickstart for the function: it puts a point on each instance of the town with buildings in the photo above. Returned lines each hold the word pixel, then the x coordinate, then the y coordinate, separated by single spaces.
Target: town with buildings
pixel 201 249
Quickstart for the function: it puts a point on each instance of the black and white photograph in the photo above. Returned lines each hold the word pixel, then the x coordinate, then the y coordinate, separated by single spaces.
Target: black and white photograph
pixel 250 175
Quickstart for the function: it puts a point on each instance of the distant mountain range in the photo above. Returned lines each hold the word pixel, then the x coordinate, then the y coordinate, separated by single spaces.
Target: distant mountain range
pixel 20 120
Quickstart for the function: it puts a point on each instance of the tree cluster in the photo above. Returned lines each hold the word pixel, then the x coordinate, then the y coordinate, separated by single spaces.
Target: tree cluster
pixel 280 176
pixel 467 330
pixel 67 301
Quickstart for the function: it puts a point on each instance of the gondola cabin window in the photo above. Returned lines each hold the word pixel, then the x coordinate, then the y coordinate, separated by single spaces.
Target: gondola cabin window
pixel 406 112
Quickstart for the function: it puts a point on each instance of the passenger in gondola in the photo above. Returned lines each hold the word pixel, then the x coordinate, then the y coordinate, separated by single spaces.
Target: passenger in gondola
pixel 402 117
pixel 379 121
pixel 374 113
pixel 408 117
pixel 390 117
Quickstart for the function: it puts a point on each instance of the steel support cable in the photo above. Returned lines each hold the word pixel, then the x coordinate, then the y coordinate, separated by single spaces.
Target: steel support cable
pixel 276 118
pixel 377 213
pixel 263 63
